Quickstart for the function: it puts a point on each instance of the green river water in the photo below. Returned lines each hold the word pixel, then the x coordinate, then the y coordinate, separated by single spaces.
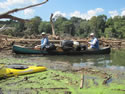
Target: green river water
pixel 115 60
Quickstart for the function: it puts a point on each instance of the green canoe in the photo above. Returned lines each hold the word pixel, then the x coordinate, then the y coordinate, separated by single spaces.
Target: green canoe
pixel 25 50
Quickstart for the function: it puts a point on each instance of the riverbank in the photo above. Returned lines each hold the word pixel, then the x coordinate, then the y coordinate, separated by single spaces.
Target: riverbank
pixel 58 82
pixel 61 78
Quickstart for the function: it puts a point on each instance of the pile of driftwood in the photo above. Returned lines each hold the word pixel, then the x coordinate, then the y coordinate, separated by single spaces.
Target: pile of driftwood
pixel 7 42
pixel 4 43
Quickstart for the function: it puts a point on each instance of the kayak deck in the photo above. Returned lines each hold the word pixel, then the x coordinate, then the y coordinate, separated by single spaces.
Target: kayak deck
pixel 15 70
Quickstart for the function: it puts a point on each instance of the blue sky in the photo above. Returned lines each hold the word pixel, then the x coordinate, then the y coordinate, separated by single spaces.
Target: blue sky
pixel 84 9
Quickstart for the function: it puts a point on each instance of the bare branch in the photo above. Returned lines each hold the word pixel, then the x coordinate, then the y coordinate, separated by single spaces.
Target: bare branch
pixel 13 18
pixel 6 14
pixel 19 9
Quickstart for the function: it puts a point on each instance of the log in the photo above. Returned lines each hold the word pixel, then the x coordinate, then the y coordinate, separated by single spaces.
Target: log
pixel 82 81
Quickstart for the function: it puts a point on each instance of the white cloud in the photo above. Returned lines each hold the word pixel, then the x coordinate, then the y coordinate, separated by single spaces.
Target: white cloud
pixel 95 12
pixel 29 12
pixel 113 13
pixel 59 13
pixel 76 14
pixel 123 13
pixel 87 15
pixel 10 3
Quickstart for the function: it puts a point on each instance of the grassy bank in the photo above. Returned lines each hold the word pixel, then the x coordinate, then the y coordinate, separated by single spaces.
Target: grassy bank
pixel 58 82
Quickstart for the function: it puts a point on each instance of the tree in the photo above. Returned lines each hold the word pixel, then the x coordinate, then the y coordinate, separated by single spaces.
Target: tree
pixel 93 24
pixel 84 29
pixel 32 25
pixel 101 21
pixel 76 22
pixel 58 24
pixel 68 27
pixel 45 27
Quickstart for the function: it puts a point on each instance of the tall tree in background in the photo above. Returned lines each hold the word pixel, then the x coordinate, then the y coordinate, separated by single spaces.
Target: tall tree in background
pixel 84 28
pixel 45 27
pixel 93 24
pixel 76 22
pixel 32 25
pixel 101 21
pixel 68 28
pixel 58 24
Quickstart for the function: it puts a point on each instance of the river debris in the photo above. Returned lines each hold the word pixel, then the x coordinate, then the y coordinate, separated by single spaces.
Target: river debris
pixel 6 42
pixel 107 80
pixel 82 81
pixel 1 91
pixel 68 92
pixel 119 89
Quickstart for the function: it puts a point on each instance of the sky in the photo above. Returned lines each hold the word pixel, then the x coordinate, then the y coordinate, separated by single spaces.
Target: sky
pixel 84 9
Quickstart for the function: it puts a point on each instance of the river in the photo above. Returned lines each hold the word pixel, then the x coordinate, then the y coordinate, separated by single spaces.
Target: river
pixel 115 60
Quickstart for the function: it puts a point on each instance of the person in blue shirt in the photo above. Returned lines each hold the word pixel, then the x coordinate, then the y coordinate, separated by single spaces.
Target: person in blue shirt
pixel 94 43
pixel 44 42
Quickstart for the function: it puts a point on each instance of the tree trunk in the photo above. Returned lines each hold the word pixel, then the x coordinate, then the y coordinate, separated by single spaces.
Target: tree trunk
pixel 52 25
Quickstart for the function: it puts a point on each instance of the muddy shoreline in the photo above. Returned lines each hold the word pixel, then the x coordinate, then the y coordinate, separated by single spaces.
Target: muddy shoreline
pixel 60 72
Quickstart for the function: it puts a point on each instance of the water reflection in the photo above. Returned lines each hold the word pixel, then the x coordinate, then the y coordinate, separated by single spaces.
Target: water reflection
pixel 116 60
pixel 84 60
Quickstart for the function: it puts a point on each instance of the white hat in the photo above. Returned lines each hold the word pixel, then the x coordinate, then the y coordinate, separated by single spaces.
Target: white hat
pixel 92 34
pixel 43 33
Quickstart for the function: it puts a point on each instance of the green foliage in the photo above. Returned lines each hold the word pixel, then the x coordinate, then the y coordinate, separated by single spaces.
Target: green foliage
pixel 44 27
pixel 32 25
pixel 84 29
pixel 100 25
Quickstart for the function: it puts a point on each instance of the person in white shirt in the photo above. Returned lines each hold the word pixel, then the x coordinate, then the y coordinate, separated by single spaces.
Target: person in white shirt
pixel 44 42
pixel 94 43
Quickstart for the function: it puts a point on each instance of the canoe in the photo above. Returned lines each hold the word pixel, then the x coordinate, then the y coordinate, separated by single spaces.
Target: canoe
pixel 15 70
pixel 25 50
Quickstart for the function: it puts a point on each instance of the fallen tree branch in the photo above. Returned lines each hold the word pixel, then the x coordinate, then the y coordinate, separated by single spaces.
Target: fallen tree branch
pixel 7 14
pixel 13 18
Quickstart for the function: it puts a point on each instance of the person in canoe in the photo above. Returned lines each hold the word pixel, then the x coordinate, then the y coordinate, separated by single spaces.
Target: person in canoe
pixel 44 42
pixel 94 43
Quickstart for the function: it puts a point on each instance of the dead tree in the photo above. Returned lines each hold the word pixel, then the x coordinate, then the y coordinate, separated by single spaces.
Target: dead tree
pixel 52 25
pixel 7 14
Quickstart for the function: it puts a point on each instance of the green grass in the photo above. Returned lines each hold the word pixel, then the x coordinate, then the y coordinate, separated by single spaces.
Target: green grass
pixel 57 82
